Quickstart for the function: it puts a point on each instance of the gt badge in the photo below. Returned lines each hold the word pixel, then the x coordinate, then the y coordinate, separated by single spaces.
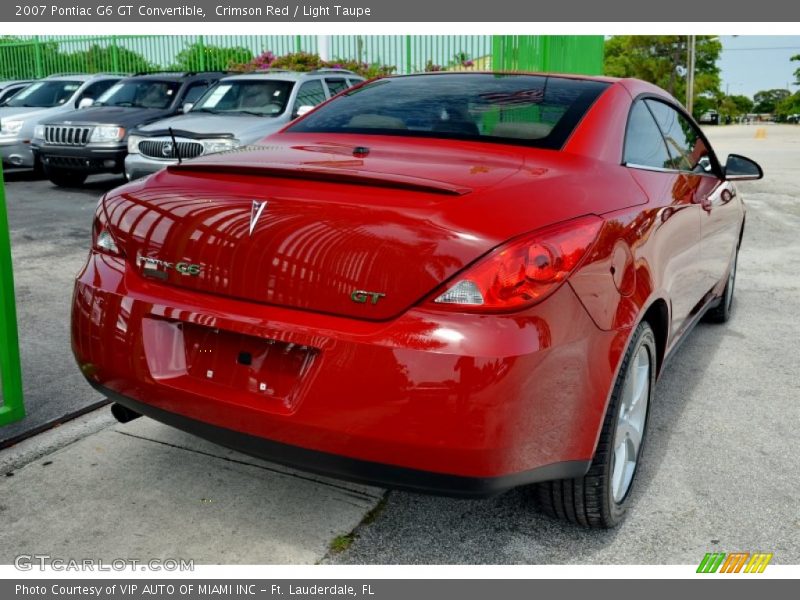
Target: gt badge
pixel 361 296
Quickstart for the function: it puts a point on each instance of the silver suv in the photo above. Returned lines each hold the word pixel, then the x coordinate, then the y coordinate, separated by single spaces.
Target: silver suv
pixel 43 100
pixel 239 110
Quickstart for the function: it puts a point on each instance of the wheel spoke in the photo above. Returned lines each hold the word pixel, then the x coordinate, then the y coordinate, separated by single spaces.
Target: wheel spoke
pixel 630 422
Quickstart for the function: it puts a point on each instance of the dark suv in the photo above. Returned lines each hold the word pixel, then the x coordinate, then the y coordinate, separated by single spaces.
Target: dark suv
pixel 94 139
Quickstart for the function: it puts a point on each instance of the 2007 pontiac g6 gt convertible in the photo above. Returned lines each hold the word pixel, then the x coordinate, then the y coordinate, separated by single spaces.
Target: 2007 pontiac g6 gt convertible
pixel 453 283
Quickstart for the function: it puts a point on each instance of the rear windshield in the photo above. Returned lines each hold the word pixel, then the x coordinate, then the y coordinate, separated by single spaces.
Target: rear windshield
pixel 535 110
pixel 45 94
pixel 142 93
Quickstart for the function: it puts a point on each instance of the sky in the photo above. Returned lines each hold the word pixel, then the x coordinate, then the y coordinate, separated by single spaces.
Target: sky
pixel 751 63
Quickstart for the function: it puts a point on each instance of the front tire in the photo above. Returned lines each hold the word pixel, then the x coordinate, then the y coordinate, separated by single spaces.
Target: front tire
pixel 722 312
pixel 65 177
pixel 600 498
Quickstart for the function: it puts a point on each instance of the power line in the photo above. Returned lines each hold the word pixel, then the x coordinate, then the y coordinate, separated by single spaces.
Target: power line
pixel 762 48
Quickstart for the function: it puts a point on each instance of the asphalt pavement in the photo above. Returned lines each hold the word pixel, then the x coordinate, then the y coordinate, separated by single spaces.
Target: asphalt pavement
pixel 719 471
pixel 50 237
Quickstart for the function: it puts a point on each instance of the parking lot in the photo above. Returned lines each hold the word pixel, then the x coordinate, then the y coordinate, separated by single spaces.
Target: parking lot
pixel 719 472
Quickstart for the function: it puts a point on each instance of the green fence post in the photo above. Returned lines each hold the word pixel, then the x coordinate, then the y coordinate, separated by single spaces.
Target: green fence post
pixel 37 56
pixel 409 67
pixel 202 47
pixel 11 408
pixel 115 55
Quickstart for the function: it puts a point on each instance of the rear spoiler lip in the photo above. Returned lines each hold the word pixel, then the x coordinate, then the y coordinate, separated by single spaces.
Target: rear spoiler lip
pixel 335 175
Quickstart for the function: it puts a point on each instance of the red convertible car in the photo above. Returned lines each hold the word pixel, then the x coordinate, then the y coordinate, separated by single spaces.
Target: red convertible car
pixel 455 283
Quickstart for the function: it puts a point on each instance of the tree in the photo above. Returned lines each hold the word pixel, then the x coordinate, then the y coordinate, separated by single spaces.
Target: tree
pixel 98 59
pixel 662 60
pixel 743 104
pixel 788 107
pixel 767 100
pixel 797 71
pixel 196 57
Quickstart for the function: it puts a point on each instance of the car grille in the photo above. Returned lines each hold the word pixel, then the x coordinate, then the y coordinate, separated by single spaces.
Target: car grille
pixel 165 149
pixel 64 135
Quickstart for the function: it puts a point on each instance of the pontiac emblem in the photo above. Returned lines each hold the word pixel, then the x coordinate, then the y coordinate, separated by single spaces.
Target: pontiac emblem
pixel 255 213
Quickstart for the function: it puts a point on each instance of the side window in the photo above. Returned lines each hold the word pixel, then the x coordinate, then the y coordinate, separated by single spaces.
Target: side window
pixel 194 92
pixel 687 150
pixel 644 144
pixel 95 90
pixel 310 93
pixel 336 85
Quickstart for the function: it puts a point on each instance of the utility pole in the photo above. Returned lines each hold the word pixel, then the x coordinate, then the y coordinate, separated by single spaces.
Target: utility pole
pixel 690 75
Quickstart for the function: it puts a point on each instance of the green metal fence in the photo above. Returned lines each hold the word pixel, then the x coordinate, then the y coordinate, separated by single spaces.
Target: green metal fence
pixel 11 407
pixel 38 56
pixel 553 53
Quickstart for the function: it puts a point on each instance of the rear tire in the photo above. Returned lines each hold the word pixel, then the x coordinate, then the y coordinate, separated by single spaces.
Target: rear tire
pixel 722 312
pixel 65 177
pixel 600 498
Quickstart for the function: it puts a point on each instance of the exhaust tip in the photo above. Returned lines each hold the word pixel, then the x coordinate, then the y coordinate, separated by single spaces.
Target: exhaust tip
pixel 123 414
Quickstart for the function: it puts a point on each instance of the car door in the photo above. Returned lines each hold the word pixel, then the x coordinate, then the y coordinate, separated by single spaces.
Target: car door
pixel 720 218
pixel 671 193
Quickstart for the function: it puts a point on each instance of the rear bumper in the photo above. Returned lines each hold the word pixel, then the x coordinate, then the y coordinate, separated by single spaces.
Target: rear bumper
pixel 82 158
pixel 342 467
pixel 428 401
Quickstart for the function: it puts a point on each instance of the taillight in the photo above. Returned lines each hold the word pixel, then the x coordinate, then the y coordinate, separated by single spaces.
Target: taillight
pixel 522 272
pixel 102 238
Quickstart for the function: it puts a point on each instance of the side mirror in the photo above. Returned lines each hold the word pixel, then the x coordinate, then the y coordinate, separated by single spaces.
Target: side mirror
pixel 740 168
pixel 305 109
pixel 85 102
pixel 187 106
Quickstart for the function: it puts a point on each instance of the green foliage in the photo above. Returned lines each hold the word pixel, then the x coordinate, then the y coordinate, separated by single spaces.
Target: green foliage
pixel 200 57
pixel 734 106
pixel 659 58
pixel 21 57
pixel 766 101
pixel 307 61
pixel 98 59
pixel 797 71
pixel 788 107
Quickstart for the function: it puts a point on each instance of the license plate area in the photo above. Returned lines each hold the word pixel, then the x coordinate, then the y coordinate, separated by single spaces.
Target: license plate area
pixel 226 364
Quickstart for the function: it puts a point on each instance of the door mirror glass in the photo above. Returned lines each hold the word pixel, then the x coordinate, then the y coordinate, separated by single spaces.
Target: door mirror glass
pixel 740 168
pixel 187 106
pixel 85 102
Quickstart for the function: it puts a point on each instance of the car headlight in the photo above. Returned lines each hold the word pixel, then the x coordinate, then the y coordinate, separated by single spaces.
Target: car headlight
pixel 107 133
pixel 212 146
pixel 133 143
pixel 10 126
pixel 38 132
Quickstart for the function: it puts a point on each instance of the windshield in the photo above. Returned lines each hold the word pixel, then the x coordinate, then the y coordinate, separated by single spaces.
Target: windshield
pixel 536 110
pixel 263 98
pixel 44 94
pixel 140 94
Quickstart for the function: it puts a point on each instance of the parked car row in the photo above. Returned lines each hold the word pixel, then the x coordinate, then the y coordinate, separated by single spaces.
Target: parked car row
pixel 72 126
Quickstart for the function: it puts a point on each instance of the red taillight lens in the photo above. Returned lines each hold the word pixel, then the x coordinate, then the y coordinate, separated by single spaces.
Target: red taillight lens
pixel 522 272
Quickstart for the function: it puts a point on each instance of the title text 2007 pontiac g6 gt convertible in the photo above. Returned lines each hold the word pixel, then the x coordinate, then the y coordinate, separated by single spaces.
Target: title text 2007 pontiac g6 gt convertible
pixel 455 283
